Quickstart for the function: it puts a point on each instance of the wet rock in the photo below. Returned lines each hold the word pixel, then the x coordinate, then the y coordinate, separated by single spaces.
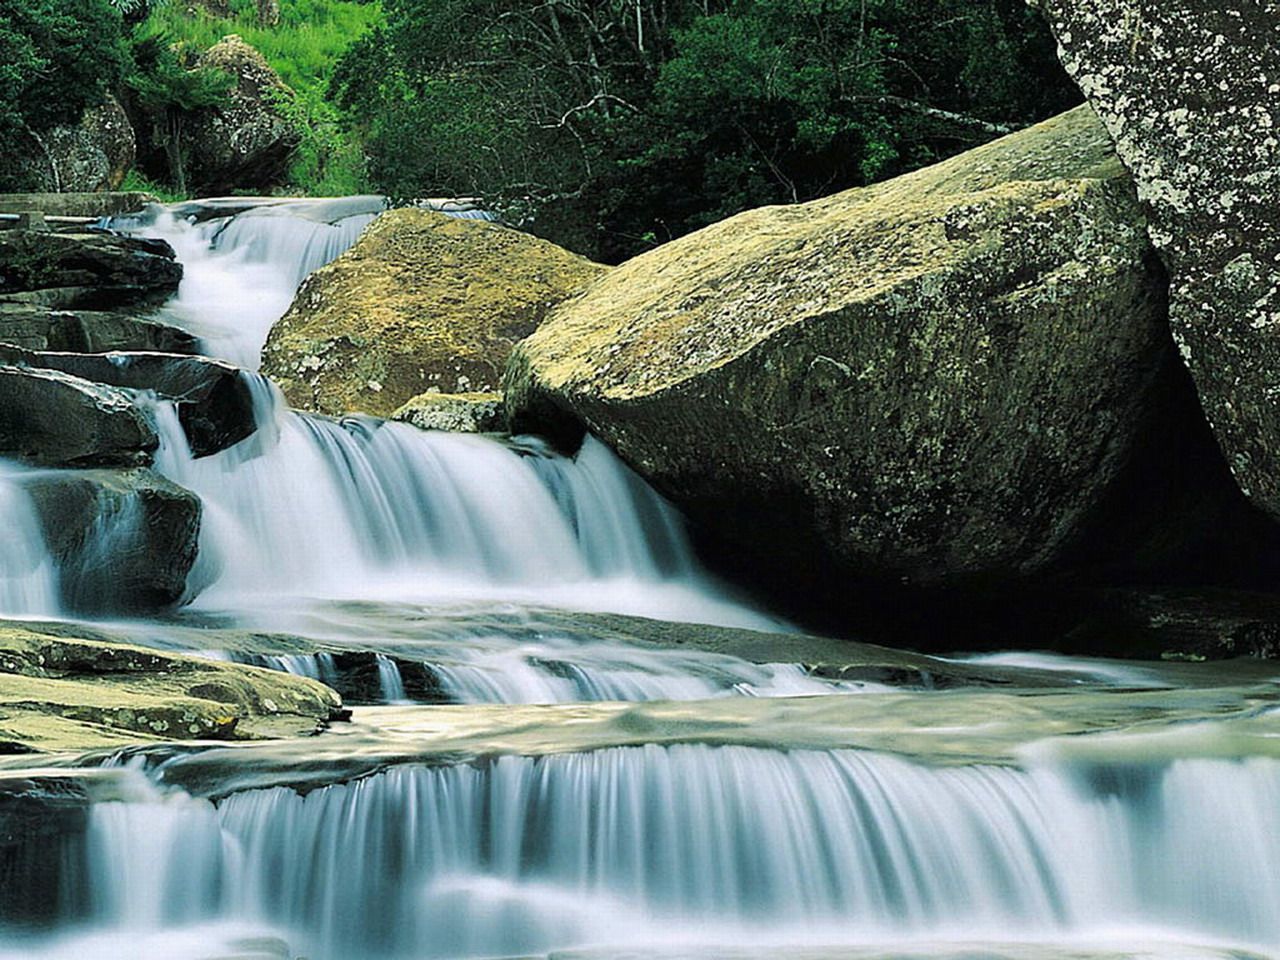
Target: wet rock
pixel 422 302
pixel 215 405
pixel 959 377
pixel 43 821
pixel 247 142
pixel 54 419
pixel 1190 92
pixel 123 540
pixel 89 331
pixel 457 412
pixel 93 270
pixel 65 693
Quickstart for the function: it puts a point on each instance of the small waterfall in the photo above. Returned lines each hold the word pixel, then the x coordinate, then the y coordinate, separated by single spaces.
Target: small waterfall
pixel 362 508
pixel 517 856
pixel 390 683
pixel 294 246
pixel 28 578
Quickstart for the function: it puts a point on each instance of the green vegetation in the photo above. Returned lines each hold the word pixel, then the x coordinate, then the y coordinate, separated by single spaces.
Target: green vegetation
pixel 57 57
pixel 303 48
pixel 617 124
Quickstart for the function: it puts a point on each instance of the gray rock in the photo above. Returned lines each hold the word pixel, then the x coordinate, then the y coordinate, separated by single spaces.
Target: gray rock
pixel 214 401
pixel 124 540
pixel 94 154
pixel 455 412
pixel 91 270
pixel 89 331
pixel 105 204
pixel 246 143
pixel 1190 92
pixel 54 419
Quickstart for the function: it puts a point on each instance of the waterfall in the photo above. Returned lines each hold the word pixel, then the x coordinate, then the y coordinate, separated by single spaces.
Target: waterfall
pixel 28 578
pixel 362 508
pixel 390 683
pixel 627 846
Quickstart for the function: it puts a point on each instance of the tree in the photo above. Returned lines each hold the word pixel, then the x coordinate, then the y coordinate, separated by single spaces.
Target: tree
pixel 57 57
pixel 615 124
pixel 168 93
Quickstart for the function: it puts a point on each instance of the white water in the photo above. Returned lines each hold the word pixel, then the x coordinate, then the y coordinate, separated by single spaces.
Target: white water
pixel 660 845
pixel 28 579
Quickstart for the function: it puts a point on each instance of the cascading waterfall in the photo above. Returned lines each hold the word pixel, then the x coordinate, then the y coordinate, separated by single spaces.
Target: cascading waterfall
pixel 364 508
pixel 517 856
pixel 686 847
pixel 28 578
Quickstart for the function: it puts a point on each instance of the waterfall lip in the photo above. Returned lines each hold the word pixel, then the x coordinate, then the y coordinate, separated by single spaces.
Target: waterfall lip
pixel 940 730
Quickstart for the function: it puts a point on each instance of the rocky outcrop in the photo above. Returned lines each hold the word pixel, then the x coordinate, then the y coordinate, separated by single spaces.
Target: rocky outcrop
pixel 64 693
pixel 955 377
pixel 247 142
pixel 93 270
pixel 1190 92
pixel 96 153
pixel 76 204
pixel 422 301
pixel 214 401
pixel 54 419
pixel 455 412
pixel 89 331
pixel 123 540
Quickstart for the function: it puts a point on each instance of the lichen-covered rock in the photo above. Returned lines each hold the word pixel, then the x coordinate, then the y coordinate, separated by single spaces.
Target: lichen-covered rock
pixel 246 142
pixel 123 540
pixel 94 154
pixel 942 379
pixel 63 693
pixel 456 412
pixel 1190 92
pixel 92 270
pixel 423 301
pixel 54 419
pixel 213 399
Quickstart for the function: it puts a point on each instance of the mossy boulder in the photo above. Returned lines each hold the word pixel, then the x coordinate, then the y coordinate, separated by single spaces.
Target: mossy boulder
pixel 423 301
pixel 59 693
pixel 246 142
pixel 950 378
pixel 456 412
pixel 1190 92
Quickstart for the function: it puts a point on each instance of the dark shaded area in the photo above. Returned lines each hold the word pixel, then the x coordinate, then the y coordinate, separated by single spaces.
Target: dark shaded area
pixel 43 823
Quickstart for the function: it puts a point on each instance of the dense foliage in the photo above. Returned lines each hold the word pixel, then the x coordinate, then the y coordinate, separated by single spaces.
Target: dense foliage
pixel 617 124
pixel 57 57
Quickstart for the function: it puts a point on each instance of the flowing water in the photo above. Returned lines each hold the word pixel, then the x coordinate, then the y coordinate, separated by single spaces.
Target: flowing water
pixel 1076 809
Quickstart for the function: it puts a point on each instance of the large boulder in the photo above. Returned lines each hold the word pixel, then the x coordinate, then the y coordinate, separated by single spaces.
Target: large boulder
pixel 246 142
pixel 1190 92
pixel 123 540
pixel 54 419
pixel 422 301
pixel 94 154
pixel 89 331
pixel 960 376
pixel 93 270
pixel 213 399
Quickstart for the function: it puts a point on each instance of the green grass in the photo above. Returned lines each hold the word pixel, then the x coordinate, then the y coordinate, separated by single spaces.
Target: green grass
pixel 135 181
pixel 303 49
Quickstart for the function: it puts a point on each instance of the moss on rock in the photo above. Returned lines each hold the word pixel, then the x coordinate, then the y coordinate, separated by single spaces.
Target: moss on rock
pixel 423 301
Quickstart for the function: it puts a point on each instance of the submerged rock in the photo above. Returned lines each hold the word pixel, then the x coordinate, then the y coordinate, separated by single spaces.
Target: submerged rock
pixel 123 540
pixel 957 377
pixel 215 405
pixel 245 143
pixel 89 331
pixel 1190 92
pixel 423 301
pixel 92 270
pixel 457 412
pixel 54 419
